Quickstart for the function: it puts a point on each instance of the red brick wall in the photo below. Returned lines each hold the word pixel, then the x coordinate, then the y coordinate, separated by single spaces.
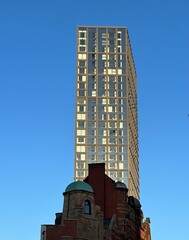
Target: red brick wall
pixel 110 198
pixel 96 180
pixel 104 189
pixel 69 228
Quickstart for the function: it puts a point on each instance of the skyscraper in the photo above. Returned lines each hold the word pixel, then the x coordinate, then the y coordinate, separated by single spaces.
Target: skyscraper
pixel 106 105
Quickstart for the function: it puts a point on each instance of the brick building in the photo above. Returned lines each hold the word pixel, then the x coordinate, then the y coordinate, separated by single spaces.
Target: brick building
pixel 98 208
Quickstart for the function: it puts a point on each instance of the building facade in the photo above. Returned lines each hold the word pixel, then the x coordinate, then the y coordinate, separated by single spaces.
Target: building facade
pixel 106 127
pixel 98 208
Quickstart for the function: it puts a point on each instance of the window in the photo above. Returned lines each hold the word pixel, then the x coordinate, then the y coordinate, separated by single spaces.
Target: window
pixel 81 108
pixel 81 101
pixel 112 116
pixel 82 42
pixel 113 149
pixel 80 173
pixel 120 132
pixel 112 124
pixel 112 165
pixel 81 93
pixel 81 116
pixel 102 157
pixel 80 157
pixel 81 132
pixel 81 49
pixel 87 207
pixel 81 124
pixel 112 132
pixel 81 85
pixel 81 70
pixel 82 34
pixel 112 157
pixel 80 148
pixel 91 125
pixel 82 63
pixel 113 174
pixel 92 116
pixel 93 149
pixel 82 56
pixel 91 140
pixel 81 140
pixel 80 165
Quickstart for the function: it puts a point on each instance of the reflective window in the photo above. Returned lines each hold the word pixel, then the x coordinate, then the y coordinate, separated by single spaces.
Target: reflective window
pixel 82 78
pixel 87 207
pixel 122 34
pixel 92 85
pixel 111 40
pixel 91 157
pixel 91 124
pixel 81 93
pixel 112 140
pixel 91 140
pixel 112 149
pixel 102 157
pixel 113 174
pixel 101 87
pixel 92 40
pixel 82 41
pixel 102 40
pixel 81 124
pixel 80 173
pixel 101 149
pixel 81 85
pixel 82 56
pixel 82 63
pixel 112 132
pixel 112 124
pixel 112 116
pixel 91 132
pixel 112 165
pixel 81 70
pixel 80 165
pixel 80 156
pixel 82 49
pixel 82 34
pixel 101 63
pixel 81 140
pixel 91 63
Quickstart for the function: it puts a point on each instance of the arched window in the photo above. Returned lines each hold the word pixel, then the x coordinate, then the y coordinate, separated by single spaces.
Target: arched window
pixel 87 207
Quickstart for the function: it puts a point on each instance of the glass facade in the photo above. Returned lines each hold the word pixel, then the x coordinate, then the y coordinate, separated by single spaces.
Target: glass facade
pixel 106 105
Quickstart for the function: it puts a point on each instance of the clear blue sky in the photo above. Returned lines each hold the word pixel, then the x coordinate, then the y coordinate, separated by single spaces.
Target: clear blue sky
pixel 37 106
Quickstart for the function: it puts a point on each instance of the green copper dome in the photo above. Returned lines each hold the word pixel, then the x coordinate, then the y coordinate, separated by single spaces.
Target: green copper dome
pixel 79 185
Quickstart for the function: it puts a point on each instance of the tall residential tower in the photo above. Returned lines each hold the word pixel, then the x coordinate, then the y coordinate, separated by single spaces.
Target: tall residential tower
pixel 106 105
